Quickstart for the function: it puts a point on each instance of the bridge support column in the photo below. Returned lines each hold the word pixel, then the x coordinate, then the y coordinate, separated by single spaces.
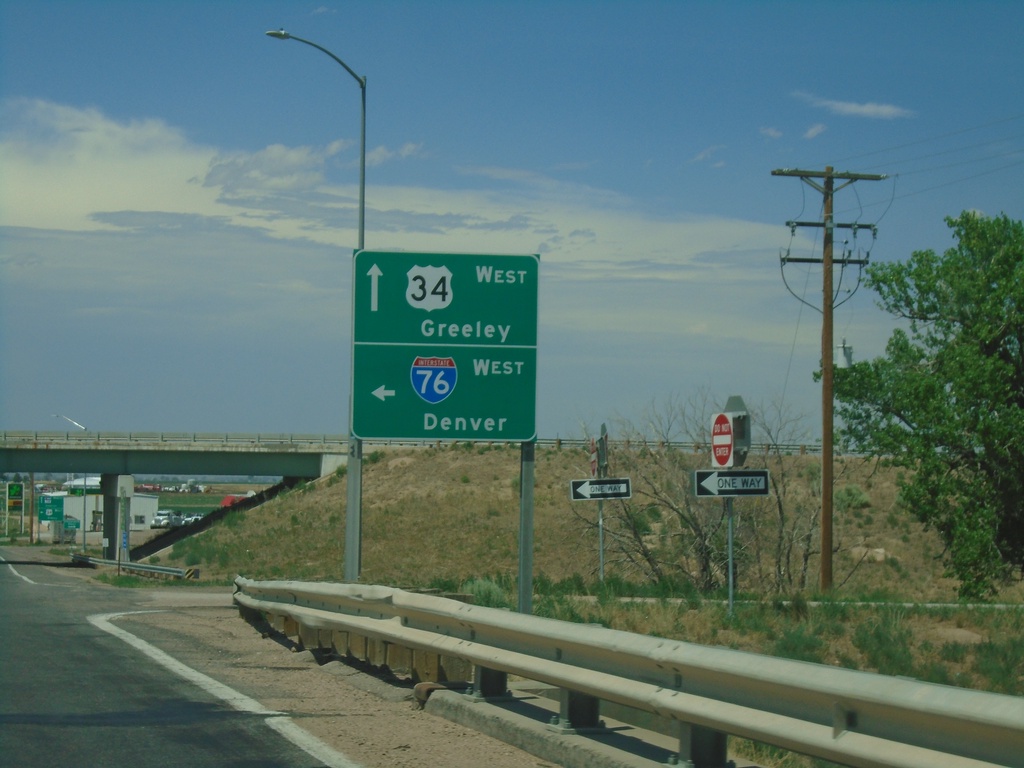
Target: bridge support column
pixel 112 486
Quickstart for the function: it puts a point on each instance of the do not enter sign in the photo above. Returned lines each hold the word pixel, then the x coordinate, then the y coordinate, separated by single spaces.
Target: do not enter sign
pixel 721 440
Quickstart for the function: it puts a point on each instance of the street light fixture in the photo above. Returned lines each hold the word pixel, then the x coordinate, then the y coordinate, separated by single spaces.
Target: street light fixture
pixel 85 480
pixel 280 34
pixel 354 470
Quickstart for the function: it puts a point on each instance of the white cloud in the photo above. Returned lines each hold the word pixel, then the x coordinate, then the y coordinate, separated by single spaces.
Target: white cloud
pixel 814 131
pixel 62 165
pixel 707 154
pixel 77 170
pixel 871 109
pixel 381 155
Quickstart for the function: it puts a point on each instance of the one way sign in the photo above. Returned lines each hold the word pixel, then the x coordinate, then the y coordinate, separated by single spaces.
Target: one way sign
pixel 736 482
pixel 601 488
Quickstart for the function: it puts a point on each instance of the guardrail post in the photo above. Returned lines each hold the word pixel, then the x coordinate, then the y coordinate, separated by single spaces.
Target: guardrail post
pixel 426 667
pixel 577 712
pixel 702 747
pixel 376 652
pixel 489 683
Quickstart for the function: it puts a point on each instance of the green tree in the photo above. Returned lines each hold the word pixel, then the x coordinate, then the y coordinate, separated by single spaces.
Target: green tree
pixel 947 399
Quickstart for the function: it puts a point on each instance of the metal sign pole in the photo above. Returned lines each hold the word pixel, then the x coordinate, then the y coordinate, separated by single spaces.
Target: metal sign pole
pixel 728 511
pixel 527 460
pixel 602 472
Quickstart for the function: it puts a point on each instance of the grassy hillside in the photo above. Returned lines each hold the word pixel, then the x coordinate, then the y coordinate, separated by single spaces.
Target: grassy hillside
pixel 452 513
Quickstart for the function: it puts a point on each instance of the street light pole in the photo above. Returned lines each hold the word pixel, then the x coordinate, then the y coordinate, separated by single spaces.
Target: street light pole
pixel 85 481
pixel 354 470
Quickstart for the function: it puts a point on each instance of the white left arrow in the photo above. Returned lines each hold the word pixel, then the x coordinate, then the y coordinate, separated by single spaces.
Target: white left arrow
pixel 383 392
pixel 374 273
pixel 711 483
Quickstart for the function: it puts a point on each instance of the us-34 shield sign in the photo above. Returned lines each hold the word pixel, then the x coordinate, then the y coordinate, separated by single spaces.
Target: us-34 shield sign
pixel 429 288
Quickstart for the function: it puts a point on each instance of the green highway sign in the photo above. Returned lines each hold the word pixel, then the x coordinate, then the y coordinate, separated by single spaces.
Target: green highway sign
pixel 444 346
pixel 51 509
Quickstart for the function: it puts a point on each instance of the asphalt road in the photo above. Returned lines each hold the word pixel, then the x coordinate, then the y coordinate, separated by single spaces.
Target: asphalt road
pixel 78 689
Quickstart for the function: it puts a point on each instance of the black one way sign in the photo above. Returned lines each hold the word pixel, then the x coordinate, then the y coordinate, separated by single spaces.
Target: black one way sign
pixel 600 488
pixel 735 482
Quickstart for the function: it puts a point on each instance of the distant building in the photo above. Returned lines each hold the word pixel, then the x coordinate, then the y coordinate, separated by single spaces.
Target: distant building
pixel 142 507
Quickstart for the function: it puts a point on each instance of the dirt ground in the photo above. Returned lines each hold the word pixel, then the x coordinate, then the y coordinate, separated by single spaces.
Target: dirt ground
pixel 373 722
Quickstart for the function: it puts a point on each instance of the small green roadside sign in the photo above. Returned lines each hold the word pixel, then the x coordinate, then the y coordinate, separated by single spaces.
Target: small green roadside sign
pixel 51 509
pixel 445 346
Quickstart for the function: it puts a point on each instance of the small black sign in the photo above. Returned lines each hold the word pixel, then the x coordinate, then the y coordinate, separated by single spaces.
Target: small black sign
pixel 732 482
pixel 600 488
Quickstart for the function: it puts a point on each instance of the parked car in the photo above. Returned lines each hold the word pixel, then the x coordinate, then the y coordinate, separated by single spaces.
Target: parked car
pixel 166 518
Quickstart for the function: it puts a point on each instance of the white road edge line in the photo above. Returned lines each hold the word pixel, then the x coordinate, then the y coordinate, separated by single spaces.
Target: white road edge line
pixel 278 721
pixel 15 572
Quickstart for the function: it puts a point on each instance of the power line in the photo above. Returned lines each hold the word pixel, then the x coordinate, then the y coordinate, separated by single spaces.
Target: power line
pixel 926 140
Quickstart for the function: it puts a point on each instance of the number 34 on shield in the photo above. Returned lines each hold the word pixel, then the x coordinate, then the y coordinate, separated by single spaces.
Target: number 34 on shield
pixel 429 288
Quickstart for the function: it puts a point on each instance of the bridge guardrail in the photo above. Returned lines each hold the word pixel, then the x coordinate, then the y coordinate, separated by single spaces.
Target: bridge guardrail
pixel 850 717
pixel 339 442
pixel 24 436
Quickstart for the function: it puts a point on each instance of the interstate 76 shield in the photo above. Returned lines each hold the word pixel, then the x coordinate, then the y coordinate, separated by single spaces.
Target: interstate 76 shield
pixel 434 378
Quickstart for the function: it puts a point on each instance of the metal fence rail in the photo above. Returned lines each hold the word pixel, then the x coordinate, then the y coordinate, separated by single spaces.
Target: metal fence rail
pixel 854 718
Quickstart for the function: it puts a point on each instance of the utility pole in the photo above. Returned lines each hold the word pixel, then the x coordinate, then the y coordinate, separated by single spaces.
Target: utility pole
pixel 828 189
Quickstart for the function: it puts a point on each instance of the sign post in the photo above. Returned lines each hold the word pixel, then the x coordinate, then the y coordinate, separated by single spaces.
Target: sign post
pixel 730 441
pixel 600 487
pixel 14 500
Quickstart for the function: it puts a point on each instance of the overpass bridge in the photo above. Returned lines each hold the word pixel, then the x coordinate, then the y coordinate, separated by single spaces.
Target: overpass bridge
pixel 118 456
pixel 172 453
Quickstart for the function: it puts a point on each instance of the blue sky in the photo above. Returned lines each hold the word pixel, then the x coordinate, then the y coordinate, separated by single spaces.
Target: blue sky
pixel 178 191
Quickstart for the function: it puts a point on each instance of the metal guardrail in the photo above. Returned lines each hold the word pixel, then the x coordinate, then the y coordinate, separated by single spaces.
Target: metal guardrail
pixel 152 570
pixel 146 438
pixel 339 442
pixel 850 717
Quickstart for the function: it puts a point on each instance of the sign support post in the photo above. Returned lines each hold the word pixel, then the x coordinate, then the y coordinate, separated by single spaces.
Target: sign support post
pixel 526 470
pixel 602 472
pixel 730 442
pixel 732 565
